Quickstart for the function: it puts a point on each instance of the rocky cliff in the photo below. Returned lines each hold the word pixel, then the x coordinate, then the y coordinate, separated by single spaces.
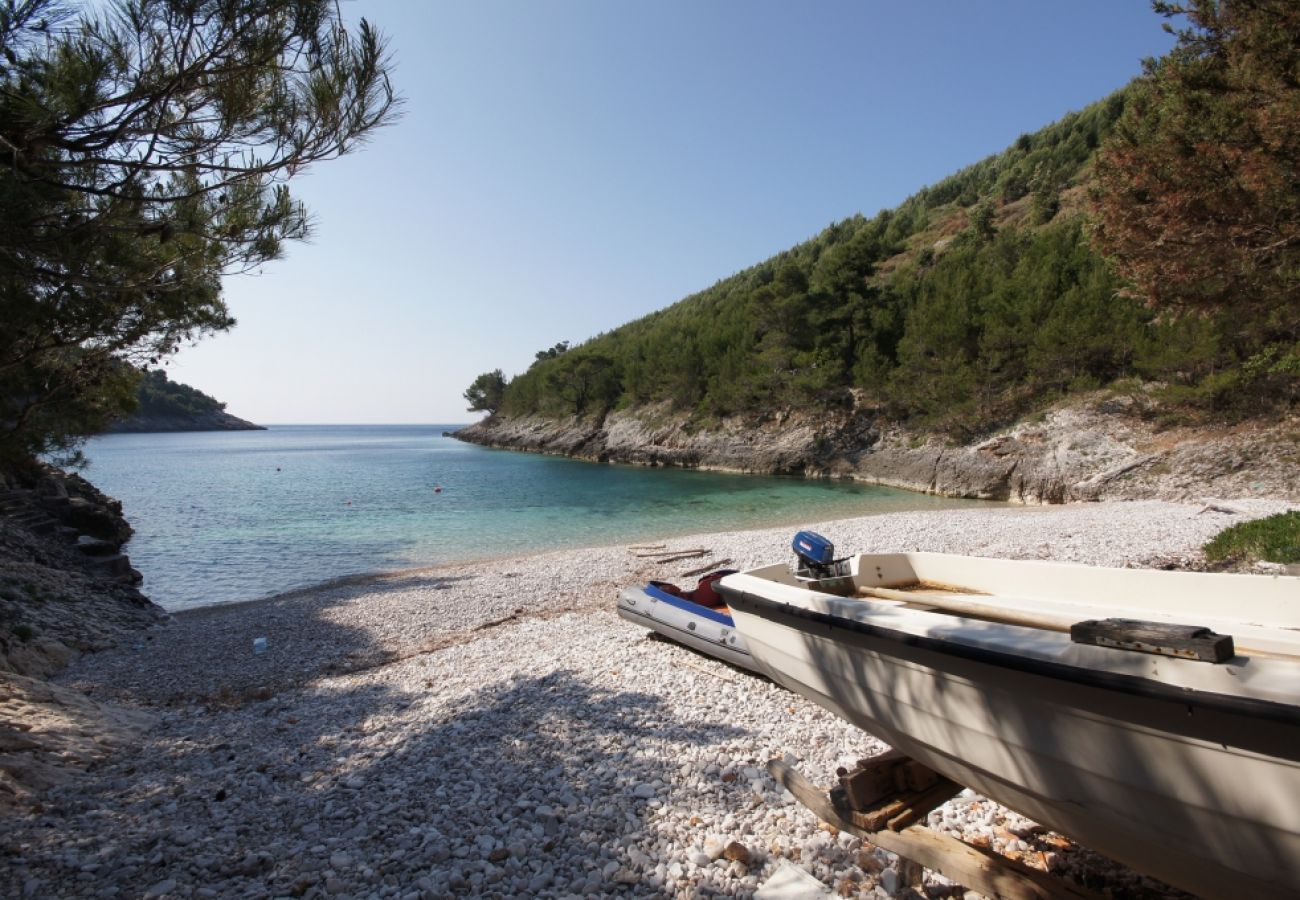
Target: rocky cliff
pixel 65 584
pixel 1095 448
pixel 65 588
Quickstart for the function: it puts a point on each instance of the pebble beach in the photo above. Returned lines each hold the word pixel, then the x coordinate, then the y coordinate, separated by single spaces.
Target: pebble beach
pixel 494 729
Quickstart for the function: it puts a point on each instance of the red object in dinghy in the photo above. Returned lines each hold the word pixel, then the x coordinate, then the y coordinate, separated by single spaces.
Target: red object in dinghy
pixel 704 593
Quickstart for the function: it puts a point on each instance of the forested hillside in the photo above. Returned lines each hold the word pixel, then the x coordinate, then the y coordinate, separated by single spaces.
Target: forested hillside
pixel 973 299
pixel 981 298
pixel 166 405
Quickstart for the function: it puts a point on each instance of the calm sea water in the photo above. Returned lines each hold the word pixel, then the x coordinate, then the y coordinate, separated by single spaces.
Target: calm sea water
pixel 227 516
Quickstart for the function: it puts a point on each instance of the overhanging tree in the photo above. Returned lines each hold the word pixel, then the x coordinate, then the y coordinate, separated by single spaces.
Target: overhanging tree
pixel 1198 187
pixel 145 151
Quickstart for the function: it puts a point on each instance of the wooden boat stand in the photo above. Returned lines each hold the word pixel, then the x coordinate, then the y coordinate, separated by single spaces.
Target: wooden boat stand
pixel 883 799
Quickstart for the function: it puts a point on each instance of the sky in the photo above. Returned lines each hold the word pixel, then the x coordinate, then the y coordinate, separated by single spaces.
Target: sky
pixel 564 166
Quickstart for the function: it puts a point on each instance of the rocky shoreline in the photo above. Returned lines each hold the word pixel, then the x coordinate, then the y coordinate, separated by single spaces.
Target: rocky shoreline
pixel 65 589
pixel 1094 448
pixel 493 729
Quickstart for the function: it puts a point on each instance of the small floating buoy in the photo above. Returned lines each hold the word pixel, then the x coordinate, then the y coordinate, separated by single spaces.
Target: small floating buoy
pixel 437 489
pixel 347 502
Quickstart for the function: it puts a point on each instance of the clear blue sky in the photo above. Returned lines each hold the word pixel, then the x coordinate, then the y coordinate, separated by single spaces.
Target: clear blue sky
pixel 564 167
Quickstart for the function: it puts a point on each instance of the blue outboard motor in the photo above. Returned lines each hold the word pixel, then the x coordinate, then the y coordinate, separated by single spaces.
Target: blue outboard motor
pixel 816 557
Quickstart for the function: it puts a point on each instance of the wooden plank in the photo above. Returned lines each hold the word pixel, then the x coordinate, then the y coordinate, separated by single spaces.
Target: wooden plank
pixel 905 807
pixel 871 780
pixel 1163 639
pixel 920 805
pixel 984 871
pixel 888 776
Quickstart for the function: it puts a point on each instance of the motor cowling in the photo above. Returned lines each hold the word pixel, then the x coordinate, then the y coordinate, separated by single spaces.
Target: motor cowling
pixel 817 560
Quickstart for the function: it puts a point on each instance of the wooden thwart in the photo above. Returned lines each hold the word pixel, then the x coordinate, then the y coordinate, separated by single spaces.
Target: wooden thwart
pixel 982 870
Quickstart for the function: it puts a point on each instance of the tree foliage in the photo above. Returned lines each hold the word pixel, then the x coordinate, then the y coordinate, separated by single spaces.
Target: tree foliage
pixel 984 296
pixel 1197 196
pixel 160 397
pixel 1198 188
pixel 486 391
pixel 146 149
pixel 813 324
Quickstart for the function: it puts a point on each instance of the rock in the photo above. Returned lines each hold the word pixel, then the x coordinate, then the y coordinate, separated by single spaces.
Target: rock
pixel 1086 448
pixel 643 791
pixel 160 889
pixel 737 852
pixel 714 847
pixel 789 882
pixel 638 859
pixel 890 881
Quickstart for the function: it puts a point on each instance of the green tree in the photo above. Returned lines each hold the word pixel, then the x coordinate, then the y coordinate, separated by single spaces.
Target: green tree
pixel 146 149
pixel 1198 187
pixel 552 352
pixel 485 394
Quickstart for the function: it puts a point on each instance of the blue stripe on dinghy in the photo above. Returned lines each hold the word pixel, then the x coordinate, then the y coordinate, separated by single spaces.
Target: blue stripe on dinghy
pixel 687 606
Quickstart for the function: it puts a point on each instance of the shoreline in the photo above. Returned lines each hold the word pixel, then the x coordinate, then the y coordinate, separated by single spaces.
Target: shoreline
pixel 793 522
pixel 495 729
pixel 363 621
pixel 871 509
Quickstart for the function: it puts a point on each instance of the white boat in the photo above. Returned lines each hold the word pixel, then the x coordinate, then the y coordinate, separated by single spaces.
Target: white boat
pixel 698 618
pixel 1185 769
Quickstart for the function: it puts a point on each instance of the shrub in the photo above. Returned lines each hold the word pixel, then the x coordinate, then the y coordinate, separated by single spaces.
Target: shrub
pixel 1274 539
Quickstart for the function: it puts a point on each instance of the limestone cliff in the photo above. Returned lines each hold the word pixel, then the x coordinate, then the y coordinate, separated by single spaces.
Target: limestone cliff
pixel 1094 448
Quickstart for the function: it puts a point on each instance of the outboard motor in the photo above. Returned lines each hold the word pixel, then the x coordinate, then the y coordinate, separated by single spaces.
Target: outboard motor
pixel 817 557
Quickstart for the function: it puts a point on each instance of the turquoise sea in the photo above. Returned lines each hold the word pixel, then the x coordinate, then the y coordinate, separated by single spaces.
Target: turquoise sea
pixel 228 516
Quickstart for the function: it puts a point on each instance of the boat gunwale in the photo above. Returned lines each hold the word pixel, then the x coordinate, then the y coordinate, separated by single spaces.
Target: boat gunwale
pixel 1137 685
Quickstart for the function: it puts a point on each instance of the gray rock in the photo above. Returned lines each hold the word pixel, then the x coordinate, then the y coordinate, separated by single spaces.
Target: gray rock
pixel 160 889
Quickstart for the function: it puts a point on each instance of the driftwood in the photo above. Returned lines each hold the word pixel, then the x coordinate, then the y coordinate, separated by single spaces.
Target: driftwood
pixel 722 675
pixel 685 554
pixel 1214 507
pixel 716 564
pixel 697 551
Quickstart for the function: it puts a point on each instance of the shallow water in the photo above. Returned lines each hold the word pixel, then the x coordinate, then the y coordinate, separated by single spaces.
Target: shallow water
pixel 226 516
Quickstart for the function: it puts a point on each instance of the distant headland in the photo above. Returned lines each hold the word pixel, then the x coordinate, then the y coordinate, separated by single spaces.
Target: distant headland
pixel 166 405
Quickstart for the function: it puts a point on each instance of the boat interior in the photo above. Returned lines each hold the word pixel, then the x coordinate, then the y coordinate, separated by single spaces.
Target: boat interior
pixel 1262 613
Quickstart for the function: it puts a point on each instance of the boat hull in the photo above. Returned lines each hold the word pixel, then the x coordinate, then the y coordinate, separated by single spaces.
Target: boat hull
pixel 709 631
pixel 1200 794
